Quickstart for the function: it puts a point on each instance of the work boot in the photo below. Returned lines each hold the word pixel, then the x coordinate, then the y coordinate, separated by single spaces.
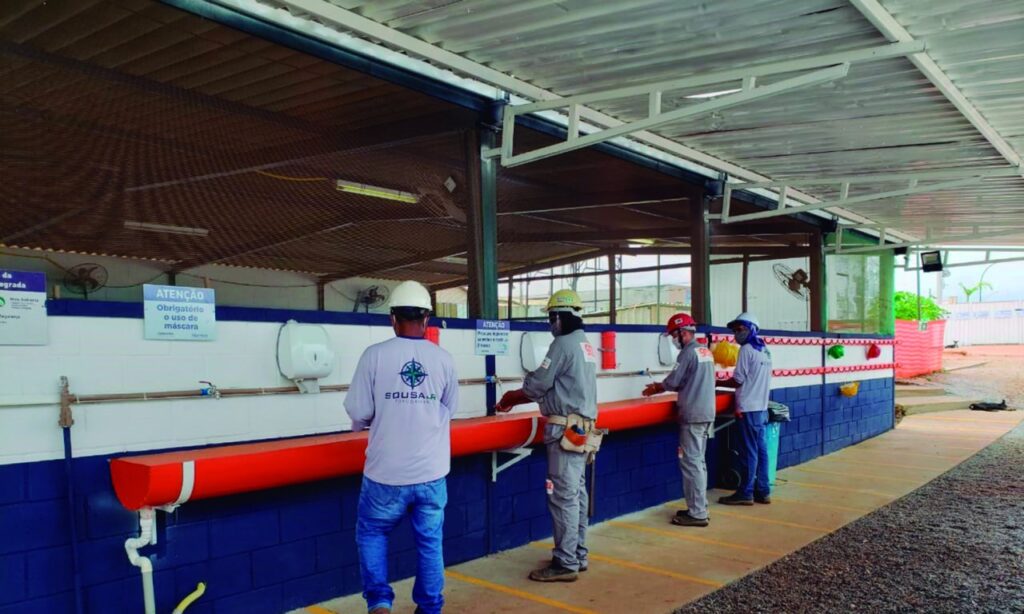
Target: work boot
pixel 735 499
pixel 684 519
pixel 553 573
pixel 765 499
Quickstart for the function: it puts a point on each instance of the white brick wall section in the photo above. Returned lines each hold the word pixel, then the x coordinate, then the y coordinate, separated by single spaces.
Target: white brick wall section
pixel 101 355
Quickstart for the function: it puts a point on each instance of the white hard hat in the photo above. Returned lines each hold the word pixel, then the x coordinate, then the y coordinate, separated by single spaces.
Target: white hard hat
pixel 410 294
pixel 746 316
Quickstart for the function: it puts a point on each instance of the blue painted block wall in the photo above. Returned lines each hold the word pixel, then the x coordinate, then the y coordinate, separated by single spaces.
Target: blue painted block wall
pixel 276 550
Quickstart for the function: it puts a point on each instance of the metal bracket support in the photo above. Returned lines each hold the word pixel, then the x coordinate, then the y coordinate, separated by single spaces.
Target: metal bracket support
pixel 518 453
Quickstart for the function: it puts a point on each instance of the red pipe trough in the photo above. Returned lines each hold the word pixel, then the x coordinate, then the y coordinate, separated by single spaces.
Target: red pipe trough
pixel 171 478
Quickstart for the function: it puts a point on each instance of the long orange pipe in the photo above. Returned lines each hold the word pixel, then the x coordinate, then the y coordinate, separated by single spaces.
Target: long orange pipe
pixel 155 480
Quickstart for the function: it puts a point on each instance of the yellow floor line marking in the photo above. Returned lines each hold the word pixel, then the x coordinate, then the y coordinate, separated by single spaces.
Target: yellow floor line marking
pixel 950 450
pixel 855 475
pixel 938 437
pixel 517 593
pixel 938 457
pixel 936 427
pixel 781 523
pixel 841 489
pixel 971 420
pixel 843 459
pixel 691 538
pixel 639 567
pixel 720 512
pixel 841 508
pixel 315 609
pixel 944 430
pixel 943 448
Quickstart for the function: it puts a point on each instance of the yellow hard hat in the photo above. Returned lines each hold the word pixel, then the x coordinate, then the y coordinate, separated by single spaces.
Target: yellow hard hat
pixel 564 300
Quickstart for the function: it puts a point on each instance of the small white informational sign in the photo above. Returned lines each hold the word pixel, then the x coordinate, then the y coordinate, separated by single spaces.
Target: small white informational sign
pixel 492 337
pixel 23 308
pixel 179 313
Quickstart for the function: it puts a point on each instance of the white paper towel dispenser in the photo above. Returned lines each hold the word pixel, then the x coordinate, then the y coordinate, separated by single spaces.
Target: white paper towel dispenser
pixel 533 349
pixel 304 354
pixel 667 351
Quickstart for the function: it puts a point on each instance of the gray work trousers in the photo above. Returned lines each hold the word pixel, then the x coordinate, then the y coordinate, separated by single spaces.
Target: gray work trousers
pixel 693 443
pixel 567 501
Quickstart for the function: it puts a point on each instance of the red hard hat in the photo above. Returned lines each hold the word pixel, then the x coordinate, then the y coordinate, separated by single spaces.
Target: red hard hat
pixel 680 320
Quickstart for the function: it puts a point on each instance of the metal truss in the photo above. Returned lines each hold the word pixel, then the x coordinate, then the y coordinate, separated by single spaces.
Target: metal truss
pixel 977 234
pixel 954 178
pixel 655 116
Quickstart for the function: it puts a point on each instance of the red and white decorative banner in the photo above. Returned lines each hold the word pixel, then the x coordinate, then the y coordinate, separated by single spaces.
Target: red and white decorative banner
pixel 810 340
pixel 726 374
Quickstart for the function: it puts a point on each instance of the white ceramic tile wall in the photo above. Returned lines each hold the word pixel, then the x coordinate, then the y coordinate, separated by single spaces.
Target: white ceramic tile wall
pixel 109 355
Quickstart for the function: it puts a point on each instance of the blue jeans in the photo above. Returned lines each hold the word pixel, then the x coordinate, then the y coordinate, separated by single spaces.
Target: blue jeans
pixel 381 507
pixel 753 455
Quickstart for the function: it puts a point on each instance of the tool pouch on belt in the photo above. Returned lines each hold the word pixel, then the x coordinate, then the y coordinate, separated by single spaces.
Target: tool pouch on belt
pixel 574 437
pixel 588 442
pixel 593 444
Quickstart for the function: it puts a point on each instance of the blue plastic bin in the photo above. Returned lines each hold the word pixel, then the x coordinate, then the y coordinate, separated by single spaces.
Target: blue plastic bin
pixel 772 433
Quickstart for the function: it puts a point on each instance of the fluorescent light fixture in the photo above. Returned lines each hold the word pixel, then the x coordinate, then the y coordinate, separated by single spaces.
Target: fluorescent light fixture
pixel 713 94
pixel 635 243
pixel 376 192
pixel 166 229
pixel 453 260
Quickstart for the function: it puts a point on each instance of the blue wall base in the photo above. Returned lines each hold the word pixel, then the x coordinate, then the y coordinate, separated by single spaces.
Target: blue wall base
pixel 276 550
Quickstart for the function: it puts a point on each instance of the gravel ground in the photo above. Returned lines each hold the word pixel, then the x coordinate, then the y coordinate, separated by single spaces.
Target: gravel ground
pixel 954 545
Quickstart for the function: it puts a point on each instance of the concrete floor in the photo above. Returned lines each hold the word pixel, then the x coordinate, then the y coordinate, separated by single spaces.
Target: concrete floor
pixel 641 563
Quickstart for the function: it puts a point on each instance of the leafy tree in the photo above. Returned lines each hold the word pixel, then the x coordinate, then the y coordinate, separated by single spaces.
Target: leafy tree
pixel 906 307
pixel 970 290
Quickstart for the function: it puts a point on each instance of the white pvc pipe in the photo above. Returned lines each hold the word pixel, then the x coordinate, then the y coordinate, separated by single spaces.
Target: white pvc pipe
pixel 147 536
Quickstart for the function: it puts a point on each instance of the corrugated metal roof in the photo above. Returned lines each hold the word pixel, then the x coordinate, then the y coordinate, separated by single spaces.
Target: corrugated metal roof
pixel 884 117
pixel 117 111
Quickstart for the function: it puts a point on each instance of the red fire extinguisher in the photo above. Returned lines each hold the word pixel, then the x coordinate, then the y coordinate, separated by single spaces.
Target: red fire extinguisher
pixel 608 350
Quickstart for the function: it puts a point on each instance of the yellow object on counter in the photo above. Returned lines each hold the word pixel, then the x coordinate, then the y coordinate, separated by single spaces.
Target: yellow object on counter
pixel 726 353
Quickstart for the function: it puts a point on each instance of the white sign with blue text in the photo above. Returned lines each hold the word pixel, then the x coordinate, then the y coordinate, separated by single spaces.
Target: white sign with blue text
pixel 492 337
pixel 23 308
pixel 177 313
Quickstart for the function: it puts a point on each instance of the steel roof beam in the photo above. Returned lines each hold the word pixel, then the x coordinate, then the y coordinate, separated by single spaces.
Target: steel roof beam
pixel 894 31
pixel 846 201
pixel 749 93
pixel 952 173
pixel 656 90
pixel 452 69
pixel 928 241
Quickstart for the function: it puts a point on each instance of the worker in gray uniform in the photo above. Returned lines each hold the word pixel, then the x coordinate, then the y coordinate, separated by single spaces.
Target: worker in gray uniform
pixel 565 386
pixel 693 379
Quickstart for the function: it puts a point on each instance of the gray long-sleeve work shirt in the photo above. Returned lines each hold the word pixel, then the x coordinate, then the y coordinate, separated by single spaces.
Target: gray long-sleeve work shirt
pixel 693 378
pixel 566 381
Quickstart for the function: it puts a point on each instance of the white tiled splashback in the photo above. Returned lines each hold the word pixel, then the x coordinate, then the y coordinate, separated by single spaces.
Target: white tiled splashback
pixel 109 355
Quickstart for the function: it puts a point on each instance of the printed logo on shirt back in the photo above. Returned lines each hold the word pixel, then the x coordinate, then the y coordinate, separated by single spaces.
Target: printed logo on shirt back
pixel 412 374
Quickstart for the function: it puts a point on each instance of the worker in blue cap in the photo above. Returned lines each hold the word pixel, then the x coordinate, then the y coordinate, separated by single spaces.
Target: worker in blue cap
pixel 752 380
